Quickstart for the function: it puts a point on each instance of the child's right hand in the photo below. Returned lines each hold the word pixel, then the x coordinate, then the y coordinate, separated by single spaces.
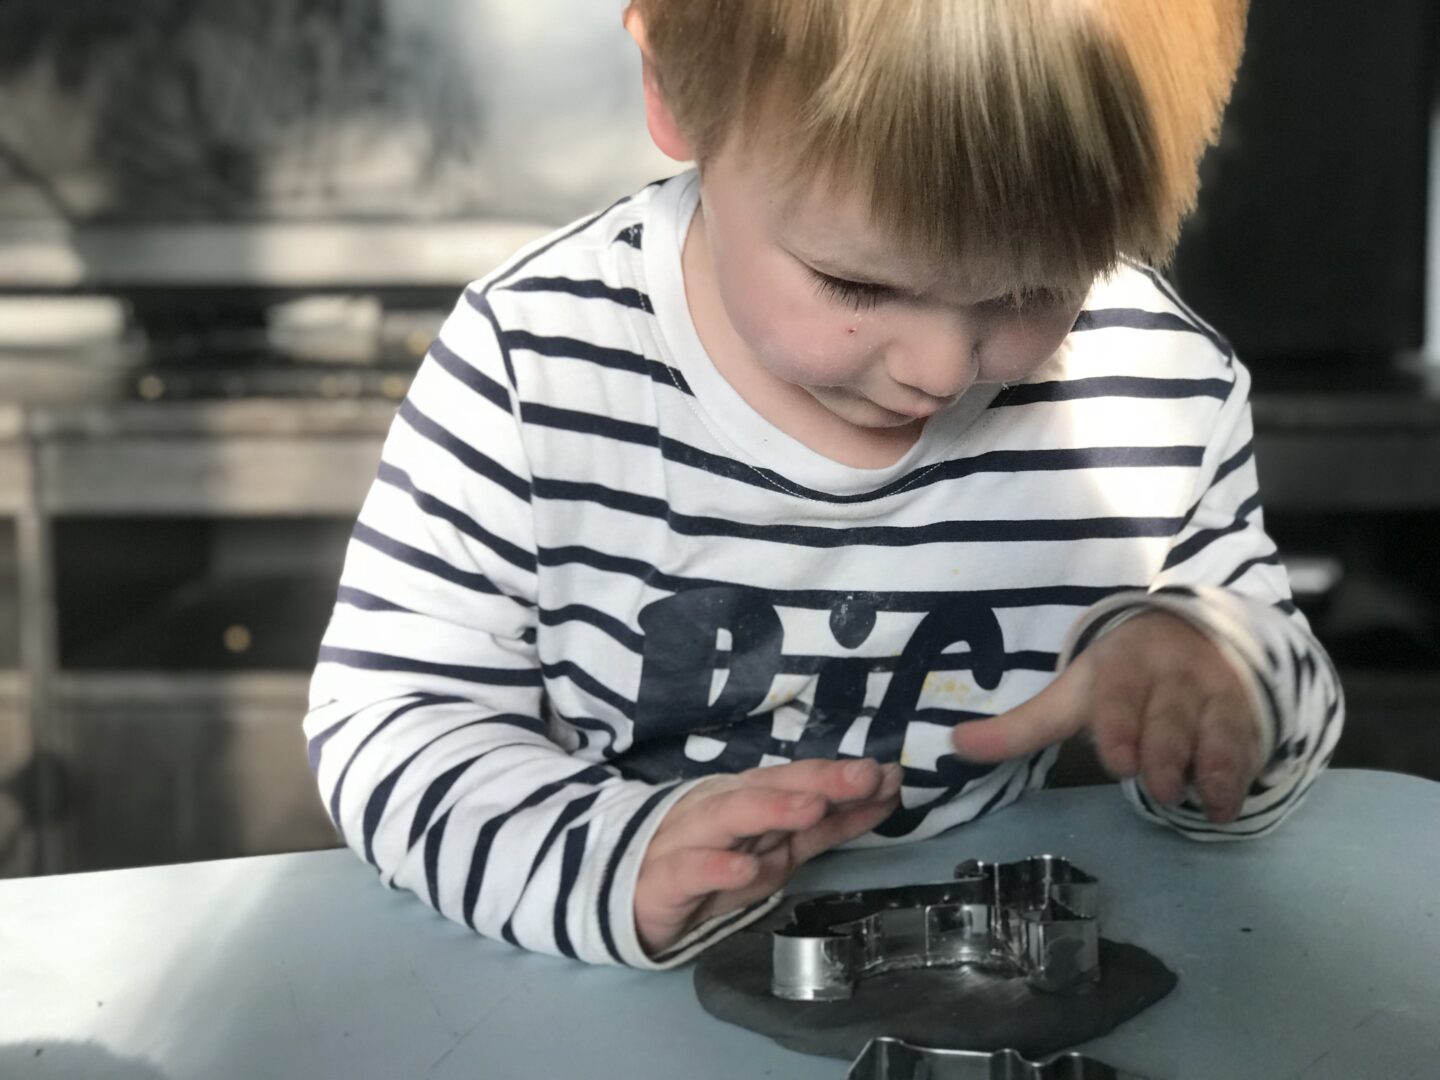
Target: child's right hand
pixel 736 839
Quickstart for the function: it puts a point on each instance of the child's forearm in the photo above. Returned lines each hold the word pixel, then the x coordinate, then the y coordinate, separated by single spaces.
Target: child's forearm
pixel 1224 573
pixel 434 763
pixel 479 814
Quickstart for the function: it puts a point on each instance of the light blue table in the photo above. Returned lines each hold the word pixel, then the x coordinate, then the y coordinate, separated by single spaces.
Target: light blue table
pixel 1312 953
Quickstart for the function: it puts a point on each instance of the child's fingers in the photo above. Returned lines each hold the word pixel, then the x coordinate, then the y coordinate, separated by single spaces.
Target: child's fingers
pixel 845 820
pixel 1117 719
pixel 762 844
pixel 891 774
pixel 1051 716
pixel 733 846
pixel 1167 742
pixel 722 819
pixel 1227 756
pixel 686 876
pixel 799 820
pixel 836 781
pixel 841 826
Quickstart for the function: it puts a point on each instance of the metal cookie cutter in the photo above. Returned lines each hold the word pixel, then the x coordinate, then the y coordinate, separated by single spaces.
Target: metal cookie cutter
pixel 892 1059
pixel 1037 918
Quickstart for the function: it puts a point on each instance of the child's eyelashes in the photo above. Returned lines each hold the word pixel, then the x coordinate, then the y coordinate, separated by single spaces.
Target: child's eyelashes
pixel 860 295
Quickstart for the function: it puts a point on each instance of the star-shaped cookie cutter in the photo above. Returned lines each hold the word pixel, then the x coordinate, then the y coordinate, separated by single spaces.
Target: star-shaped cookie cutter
pixel 1037 919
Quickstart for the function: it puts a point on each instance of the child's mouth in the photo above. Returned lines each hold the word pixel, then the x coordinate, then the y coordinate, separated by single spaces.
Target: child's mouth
pixel 918 411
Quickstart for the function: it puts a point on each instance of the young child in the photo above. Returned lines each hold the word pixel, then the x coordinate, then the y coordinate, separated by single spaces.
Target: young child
pixel 756 514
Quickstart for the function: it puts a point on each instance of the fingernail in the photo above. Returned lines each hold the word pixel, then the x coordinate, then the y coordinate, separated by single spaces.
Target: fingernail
pixel 1218 788
pixel 743 868
pixel 1124 761
pixel 1166 788
pixel 857 771
pixel 1226 812
pixel 890 779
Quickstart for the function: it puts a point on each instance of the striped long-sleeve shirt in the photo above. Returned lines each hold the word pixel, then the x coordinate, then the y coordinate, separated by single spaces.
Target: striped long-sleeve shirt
pixel 588 574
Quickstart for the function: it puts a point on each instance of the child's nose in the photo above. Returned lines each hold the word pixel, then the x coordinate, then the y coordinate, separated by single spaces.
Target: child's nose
pixel 941 367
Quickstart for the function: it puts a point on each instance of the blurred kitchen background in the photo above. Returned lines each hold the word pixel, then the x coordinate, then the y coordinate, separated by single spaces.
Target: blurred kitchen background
pixel 229 231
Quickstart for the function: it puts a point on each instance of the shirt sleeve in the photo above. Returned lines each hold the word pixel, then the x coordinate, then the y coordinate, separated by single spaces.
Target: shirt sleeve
pixel 1224 575
pixel 426 729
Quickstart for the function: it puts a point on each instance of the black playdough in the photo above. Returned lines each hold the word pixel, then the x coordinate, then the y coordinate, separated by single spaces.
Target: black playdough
pixel 949 1008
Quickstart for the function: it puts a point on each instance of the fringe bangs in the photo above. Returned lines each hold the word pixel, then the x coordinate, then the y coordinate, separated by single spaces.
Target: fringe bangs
pixel 1049 137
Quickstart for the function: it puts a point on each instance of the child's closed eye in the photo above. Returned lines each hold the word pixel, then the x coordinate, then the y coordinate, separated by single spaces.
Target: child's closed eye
pixel 864 295
pixel 860 295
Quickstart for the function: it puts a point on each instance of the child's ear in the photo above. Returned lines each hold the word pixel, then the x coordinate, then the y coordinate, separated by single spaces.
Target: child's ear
pixel 658 117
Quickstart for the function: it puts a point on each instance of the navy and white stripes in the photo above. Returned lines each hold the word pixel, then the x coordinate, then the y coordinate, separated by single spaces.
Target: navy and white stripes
pixel 587 576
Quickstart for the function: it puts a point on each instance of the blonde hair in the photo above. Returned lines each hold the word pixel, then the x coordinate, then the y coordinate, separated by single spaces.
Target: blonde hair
pixel 1052 135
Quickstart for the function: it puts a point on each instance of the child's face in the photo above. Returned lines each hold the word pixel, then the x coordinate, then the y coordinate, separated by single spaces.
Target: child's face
pixel 877 335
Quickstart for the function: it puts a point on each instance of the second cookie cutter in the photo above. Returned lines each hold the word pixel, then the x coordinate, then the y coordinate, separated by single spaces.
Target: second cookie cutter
pixel 894 1059
pixel 1036 919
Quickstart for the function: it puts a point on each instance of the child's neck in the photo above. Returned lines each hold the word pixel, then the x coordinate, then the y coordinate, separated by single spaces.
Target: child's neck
pixel 790 408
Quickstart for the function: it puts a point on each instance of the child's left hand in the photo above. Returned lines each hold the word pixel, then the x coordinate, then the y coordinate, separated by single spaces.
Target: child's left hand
pixel 1158 700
